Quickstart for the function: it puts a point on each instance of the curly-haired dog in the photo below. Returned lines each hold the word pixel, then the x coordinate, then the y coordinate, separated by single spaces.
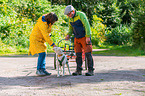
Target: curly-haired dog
pixel 61 61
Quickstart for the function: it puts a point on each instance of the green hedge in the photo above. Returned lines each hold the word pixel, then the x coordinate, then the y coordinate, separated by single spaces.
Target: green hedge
pixel 139 25
pixel 18 19
pixel 120 35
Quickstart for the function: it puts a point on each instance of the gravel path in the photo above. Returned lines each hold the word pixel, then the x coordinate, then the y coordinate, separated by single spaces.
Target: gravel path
pixel 114 76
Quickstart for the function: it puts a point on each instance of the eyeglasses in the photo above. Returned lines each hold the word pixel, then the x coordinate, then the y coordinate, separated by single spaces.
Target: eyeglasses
pixel 69 13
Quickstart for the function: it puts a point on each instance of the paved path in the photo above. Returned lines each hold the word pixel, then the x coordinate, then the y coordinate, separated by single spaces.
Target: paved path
pixel 114 76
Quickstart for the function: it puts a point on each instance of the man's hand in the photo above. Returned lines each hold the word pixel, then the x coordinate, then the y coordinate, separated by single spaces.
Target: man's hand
pixel 88 40
pixel 67 37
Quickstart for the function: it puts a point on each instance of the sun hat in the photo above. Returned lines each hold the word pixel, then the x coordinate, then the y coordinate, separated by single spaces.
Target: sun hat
pixel 68 9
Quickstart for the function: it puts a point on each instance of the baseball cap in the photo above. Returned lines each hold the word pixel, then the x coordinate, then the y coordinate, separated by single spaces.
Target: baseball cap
pixel 68 9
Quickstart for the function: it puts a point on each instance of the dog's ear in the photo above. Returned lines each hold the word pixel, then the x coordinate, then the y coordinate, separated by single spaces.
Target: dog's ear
pixel 60 50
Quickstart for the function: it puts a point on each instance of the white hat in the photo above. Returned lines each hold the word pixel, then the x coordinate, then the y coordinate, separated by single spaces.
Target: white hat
pixel 68 9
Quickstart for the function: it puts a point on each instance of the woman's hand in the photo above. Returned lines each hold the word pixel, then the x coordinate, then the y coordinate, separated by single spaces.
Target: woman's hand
pixel 54 45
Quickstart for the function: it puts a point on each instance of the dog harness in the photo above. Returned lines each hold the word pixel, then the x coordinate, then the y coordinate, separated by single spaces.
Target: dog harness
pixel 60 61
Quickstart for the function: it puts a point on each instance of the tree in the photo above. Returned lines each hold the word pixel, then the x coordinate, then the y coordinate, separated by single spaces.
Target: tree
pixel 138 17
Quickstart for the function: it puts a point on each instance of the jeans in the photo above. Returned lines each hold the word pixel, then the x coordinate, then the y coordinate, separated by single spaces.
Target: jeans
pixel 41 61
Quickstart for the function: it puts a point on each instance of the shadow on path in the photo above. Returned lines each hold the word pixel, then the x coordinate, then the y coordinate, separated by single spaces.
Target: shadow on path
pixel 53 81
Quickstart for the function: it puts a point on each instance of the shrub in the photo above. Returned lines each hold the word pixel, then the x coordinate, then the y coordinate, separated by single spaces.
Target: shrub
pixel 15 32
pixel 119 36
pixel 109 12
pixel 98 31
pixel 18 18
pixel 138 17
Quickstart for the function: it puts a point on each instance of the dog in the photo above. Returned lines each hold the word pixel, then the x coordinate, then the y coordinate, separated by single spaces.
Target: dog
pixel 61 61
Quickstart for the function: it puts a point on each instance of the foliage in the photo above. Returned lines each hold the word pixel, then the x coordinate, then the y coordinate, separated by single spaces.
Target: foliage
pixel 18 18
pixel 86 6
pixel 14 31
pixel 109 12
pixel 60 2
pixel 98 31
pixel 105 9
pixel 138 17
pixel 125 7
pixel 120 35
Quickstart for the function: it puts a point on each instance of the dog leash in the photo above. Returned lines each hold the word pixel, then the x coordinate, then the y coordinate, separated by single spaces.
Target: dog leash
pixel 60 61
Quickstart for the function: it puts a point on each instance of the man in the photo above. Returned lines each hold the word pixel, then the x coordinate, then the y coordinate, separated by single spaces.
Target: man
pixel 80 27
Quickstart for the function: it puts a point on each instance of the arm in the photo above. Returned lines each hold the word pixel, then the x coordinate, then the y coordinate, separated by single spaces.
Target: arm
pixel 45 30
pixel 86 24
pixel 70 32
pixel 70 29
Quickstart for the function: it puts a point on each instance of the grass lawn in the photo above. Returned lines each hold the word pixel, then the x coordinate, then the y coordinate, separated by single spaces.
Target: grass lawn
pixel 107 51
pixel 120 51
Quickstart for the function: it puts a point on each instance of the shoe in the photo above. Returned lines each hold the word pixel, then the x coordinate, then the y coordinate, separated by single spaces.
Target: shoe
pixel 90 73
pixel 46 73
pixel 77 73
pixel 40 72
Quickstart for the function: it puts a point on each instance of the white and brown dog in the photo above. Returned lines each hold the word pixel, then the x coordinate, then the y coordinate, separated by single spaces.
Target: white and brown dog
pixel 61 61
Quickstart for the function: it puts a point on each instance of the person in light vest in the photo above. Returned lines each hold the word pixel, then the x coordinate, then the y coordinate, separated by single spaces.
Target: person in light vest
pixel 41 34
pixel 80 27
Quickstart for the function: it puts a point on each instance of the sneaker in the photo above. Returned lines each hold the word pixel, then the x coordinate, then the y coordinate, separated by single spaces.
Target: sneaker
pixel 46 73
pixel 77 73
pixel 40 72
pixel 90 73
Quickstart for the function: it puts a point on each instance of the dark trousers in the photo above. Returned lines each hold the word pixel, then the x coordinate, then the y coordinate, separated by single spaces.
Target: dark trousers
pixel 89 61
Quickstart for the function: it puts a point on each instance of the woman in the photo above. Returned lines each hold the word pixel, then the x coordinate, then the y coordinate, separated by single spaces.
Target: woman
pixel 41 34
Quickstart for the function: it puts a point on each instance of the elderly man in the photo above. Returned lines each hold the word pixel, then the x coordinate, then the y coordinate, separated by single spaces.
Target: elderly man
pixel 80 27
